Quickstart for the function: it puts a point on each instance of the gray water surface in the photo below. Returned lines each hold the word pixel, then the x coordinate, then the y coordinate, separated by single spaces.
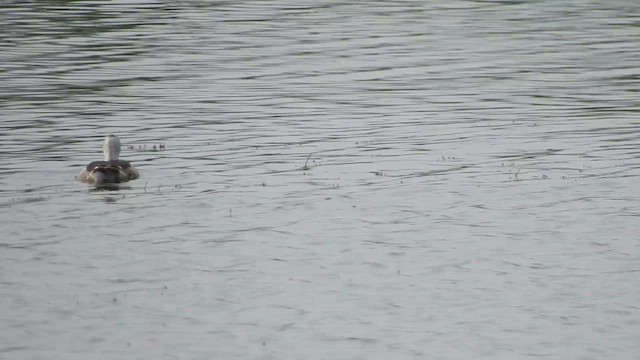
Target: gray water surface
pixel 339 180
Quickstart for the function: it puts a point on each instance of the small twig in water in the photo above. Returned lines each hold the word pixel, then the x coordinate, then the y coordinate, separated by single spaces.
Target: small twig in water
pixel 305 167
pixel 145 186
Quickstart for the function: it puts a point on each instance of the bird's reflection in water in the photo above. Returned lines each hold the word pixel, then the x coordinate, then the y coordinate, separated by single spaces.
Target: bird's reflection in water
pixel 110 187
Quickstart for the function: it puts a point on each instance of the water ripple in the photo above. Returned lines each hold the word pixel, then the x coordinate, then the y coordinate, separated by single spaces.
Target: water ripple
pixel 393 178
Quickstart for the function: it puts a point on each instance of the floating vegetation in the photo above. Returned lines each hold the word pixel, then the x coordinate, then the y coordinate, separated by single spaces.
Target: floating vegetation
pixel 160 186
pixel 365 142
pixel 305 167
pixel 145 147
pixel 514 174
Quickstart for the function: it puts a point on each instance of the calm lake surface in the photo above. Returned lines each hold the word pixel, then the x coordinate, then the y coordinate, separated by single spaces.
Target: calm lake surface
pixel 339 180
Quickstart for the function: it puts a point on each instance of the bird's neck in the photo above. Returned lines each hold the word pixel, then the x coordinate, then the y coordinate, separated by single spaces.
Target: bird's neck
pixel 110 153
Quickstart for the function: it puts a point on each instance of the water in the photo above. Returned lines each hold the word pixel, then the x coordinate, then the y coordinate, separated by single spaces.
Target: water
pixel 470 187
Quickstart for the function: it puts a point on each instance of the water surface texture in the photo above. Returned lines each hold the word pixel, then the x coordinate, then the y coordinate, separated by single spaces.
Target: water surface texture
pixel 338 180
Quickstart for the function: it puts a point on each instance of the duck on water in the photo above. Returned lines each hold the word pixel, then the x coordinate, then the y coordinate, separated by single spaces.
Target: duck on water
pixel 111 169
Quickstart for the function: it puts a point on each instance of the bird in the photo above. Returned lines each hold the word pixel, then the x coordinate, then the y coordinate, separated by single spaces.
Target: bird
pixel 111 169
